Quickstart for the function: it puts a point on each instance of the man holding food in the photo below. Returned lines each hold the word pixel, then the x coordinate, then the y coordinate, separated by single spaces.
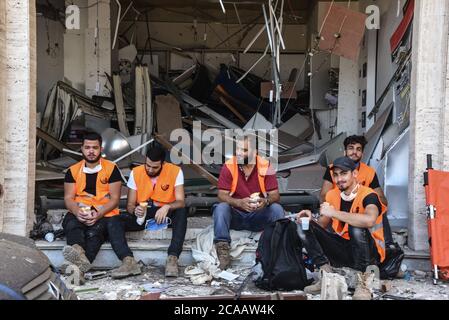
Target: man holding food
pixel 91 195
pixel 155 200
pixel 248 194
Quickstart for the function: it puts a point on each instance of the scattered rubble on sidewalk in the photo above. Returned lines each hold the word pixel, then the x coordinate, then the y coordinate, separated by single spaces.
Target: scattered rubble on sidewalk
pixel 152 280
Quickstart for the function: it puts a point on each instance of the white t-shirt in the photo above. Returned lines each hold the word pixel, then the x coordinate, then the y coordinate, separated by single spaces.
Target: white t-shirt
pixel 132 183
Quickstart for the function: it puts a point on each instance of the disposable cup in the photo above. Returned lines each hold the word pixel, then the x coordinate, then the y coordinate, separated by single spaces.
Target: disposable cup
pixel 305 223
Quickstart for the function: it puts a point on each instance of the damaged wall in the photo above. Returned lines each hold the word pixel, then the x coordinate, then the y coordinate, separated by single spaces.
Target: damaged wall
pixel 390 19
pixel 50 57
pixel 182 35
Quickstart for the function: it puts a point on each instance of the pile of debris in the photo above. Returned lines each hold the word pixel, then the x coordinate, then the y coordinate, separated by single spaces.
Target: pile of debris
pixel 147 109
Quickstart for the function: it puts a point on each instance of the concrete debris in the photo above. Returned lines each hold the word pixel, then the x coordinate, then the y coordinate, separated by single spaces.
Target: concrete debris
pixel 333 287
pixel 111 295
pixel 386 286
pixel 420 274
pixel 152 281
pixel 228 275
pixel 189 291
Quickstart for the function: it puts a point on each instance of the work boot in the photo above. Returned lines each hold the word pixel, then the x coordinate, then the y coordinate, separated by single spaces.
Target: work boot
pixel 223 254
pixel 128 268
pixel 73 273
pixel 171 267
pixel 316 287
pixel 362 290
pixel 76 255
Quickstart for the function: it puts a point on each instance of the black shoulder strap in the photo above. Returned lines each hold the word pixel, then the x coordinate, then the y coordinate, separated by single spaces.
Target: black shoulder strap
pixel 274 245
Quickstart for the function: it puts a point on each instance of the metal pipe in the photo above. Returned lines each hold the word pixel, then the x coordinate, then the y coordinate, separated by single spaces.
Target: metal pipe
pixel 134 150
pixel 190 201
pixel 255 63
pixel 117 24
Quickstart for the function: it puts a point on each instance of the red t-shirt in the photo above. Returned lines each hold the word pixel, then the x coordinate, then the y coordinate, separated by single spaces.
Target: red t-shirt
pixel 245 187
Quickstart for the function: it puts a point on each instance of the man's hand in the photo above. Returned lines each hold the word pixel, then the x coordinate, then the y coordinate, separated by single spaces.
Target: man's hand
pixel 161 214
pixel 94 217
pixel 83 215
pixel 139 211
pixel 247 205
pixel 327 210
pixel 262 203
pixel 303 214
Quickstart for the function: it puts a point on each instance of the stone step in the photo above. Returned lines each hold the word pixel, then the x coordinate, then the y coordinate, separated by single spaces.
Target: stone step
pixel 152 252
pixel 417 260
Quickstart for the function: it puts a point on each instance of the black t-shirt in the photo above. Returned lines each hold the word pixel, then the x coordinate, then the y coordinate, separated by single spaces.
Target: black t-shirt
pixel 91 180
pixel 372 198
pixel 374 184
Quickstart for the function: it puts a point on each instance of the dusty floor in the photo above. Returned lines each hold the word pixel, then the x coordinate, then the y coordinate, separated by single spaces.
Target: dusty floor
pixel 416 286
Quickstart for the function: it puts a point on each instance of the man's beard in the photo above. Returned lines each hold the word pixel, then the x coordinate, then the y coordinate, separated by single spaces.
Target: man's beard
pixel 92 161
pixel 155 174
pixel 247 160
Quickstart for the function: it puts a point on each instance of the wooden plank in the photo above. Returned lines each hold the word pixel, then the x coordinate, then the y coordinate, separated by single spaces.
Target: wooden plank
pixel 263 297
pixel 148 100
pixel 200 170
pixel 121 115
pixel 138 125
pixel 288 90
pixel 58 144
pixel 168 114
pixel 233 110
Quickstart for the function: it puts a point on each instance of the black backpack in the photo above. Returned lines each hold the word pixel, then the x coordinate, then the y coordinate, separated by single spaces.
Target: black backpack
pixel 393 260
pixel 280 254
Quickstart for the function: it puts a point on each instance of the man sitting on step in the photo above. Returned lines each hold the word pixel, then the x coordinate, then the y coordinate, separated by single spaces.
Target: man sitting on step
pixel 349 232
pixel 242 180
pixel 367 176
pixel 156 191
pixel 91 195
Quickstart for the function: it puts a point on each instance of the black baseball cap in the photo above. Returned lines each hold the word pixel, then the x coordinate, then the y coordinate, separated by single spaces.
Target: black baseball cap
pixel 345 164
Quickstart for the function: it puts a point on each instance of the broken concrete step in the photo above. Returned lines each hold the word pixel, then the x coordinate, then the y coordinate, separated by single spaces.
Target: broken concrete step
pixel 416 260
pixel 152 252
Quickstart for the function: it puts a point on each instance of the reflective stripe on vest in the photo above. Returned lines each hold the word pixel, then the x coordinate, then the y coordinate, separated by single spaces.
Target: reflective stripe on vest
pixel 365 177
pixel 163 191
pixel 342 229
pixel 262 166
pixel 102 186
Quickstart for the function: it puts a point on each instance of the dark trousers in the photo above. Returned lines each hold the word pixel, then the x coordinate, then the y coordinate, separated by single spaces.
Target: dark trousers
pixel 327 247
pixel 118 225
pixel 388 235
pixel 89 238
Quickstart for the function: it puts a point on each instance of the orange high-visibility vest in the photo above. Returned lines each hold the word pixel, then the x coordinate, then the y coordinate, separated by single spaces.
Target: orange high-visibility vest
pixel 262 170
pixel 163 191
pixel 365 177
pixel 333 197
pixel 102 186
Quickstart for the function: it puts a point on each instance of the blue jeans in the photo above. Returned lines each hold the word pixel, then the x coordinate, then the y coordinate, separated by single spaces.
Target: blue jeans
pixel 227 218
